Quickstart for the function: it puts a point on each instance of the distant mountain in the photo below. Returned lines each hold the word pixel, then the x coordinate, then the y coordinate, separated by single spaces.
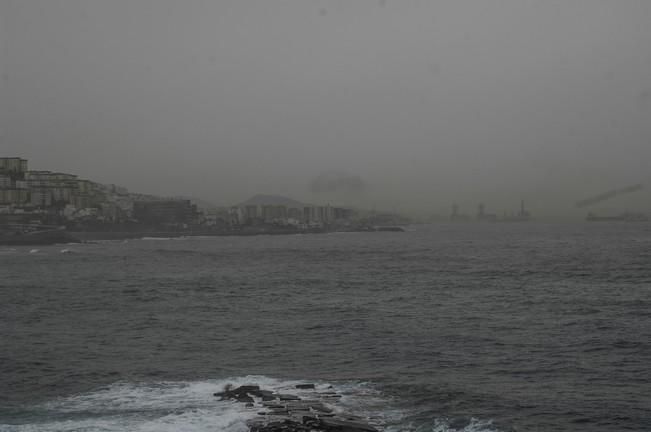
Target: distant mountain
pixel 260 200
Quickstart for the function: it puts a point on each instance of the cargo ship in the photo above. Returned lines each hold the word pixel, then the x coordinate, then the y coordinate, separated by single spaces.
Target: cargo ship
pixel 624 217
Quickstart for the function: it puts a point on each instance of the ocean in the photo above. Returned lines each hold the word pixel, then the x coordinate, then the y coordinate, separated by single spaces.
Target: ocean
pixel 443 328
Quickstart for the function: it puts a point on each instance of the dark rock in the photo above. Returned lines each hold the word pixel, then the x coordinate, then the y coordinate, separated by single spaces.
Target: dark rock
pixel 269 427
pixel 244 389
pixel 260 393
pixel 265 395
pixel 288 397
pixel 240 394
pixel 352 419
pixel 300 413
pixel 297 405
pixel 284 426
pixel 332 424
pixel 290 413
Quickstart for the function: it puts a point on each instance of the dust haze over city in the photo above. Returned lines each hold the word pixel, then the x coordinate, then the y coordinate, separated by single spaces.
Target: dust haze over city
pixel 429 102
pixel 325 215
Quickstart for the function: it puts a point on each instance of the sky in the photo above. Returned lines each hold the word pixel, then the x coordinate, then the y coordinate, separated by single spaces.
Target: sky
pixel 429 102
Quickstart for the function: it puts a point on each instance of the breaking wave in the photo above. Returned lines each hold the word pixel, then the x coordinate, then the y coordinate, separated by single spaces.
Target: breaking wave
pixel 171 406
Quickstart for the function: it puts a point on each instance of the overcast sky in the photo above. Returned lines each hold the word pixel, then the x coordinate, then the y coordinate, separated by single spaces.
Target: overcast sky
pixel 428 101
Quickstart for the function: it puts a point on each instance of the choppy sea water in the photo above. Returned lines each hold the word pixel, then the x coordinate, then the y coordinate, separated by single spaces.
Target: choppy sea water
pixel 496 327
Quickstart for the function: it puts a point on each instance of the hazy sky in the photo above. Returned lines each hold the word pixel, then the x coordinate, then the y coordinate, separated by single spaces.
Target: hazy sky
pixel 428 101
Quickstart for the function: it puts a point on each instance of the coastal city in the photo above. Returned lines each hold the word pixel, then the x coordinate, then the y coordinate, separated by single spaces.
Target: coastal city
pixel 56 206
pixel 50 202
pixel 325 216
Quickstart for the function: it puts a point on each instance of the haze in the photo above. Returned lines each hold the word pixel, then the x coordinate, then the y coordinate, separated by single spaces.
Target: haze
pixel 429 102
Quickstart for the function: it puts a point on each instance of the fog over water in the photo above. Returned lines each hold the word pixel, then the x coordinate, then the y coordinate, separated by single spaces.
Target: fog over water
pixel 428 102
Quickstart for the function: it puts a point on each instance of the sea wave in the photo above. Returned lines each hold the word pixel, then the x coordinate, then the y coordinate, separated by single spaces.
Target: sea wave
pixel 474 425
pixel 190 406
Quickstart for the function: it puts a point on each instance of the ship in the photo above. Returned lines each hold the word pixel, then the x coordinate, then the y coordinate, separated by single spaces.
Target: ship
pixel 624 217
pixel 522 216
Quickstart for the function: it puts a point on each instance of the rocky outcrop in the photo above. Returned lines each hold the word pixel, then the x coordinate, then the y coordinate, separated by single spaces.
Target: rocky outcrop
pixel 282 412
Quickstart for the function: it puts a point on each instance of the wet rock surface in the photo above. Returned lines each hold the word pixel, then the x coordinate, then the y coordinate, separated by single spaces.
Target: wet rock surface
pixel 312 411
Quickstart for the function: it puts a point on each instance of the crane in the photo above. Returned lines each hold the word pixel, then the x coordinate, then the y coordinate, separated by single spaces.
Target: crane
pixel 608 195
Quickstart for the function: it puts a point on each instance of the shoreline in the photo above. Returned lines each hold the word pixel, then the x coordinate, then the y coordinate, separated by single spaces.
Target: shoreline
pixel 88 236
pixel 131 235
pixel 43 238
pixel 66 237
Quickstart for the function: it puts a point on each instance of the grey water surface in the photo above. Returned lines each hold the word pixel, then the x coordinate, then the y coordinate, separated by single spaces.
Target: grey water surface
pixel 473 327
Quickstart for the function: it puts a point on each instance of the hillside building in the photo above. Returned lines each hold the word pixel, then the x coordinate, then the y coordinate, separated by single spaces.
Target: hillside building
pixel 13 166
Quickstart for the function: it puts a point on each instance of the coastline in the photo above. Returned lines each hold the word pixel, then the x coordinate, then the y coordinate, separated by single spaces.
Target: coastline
pixel 64 237
pixel 88 236
pixel 85 236
pixel 42 238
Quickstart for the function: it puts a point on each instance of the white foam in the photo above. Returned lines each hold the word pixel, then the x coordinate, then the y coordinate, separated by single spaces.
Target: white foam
pixel 364 400
pixel 475 425
pixel 148 407
pixel 162 406
pixel 128 396
pixel 173 406
pixel 199 421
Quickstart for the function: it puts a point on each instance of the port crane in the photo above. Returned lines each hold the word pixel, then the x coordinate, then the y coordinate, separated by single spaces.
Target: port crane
pixel 608 195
